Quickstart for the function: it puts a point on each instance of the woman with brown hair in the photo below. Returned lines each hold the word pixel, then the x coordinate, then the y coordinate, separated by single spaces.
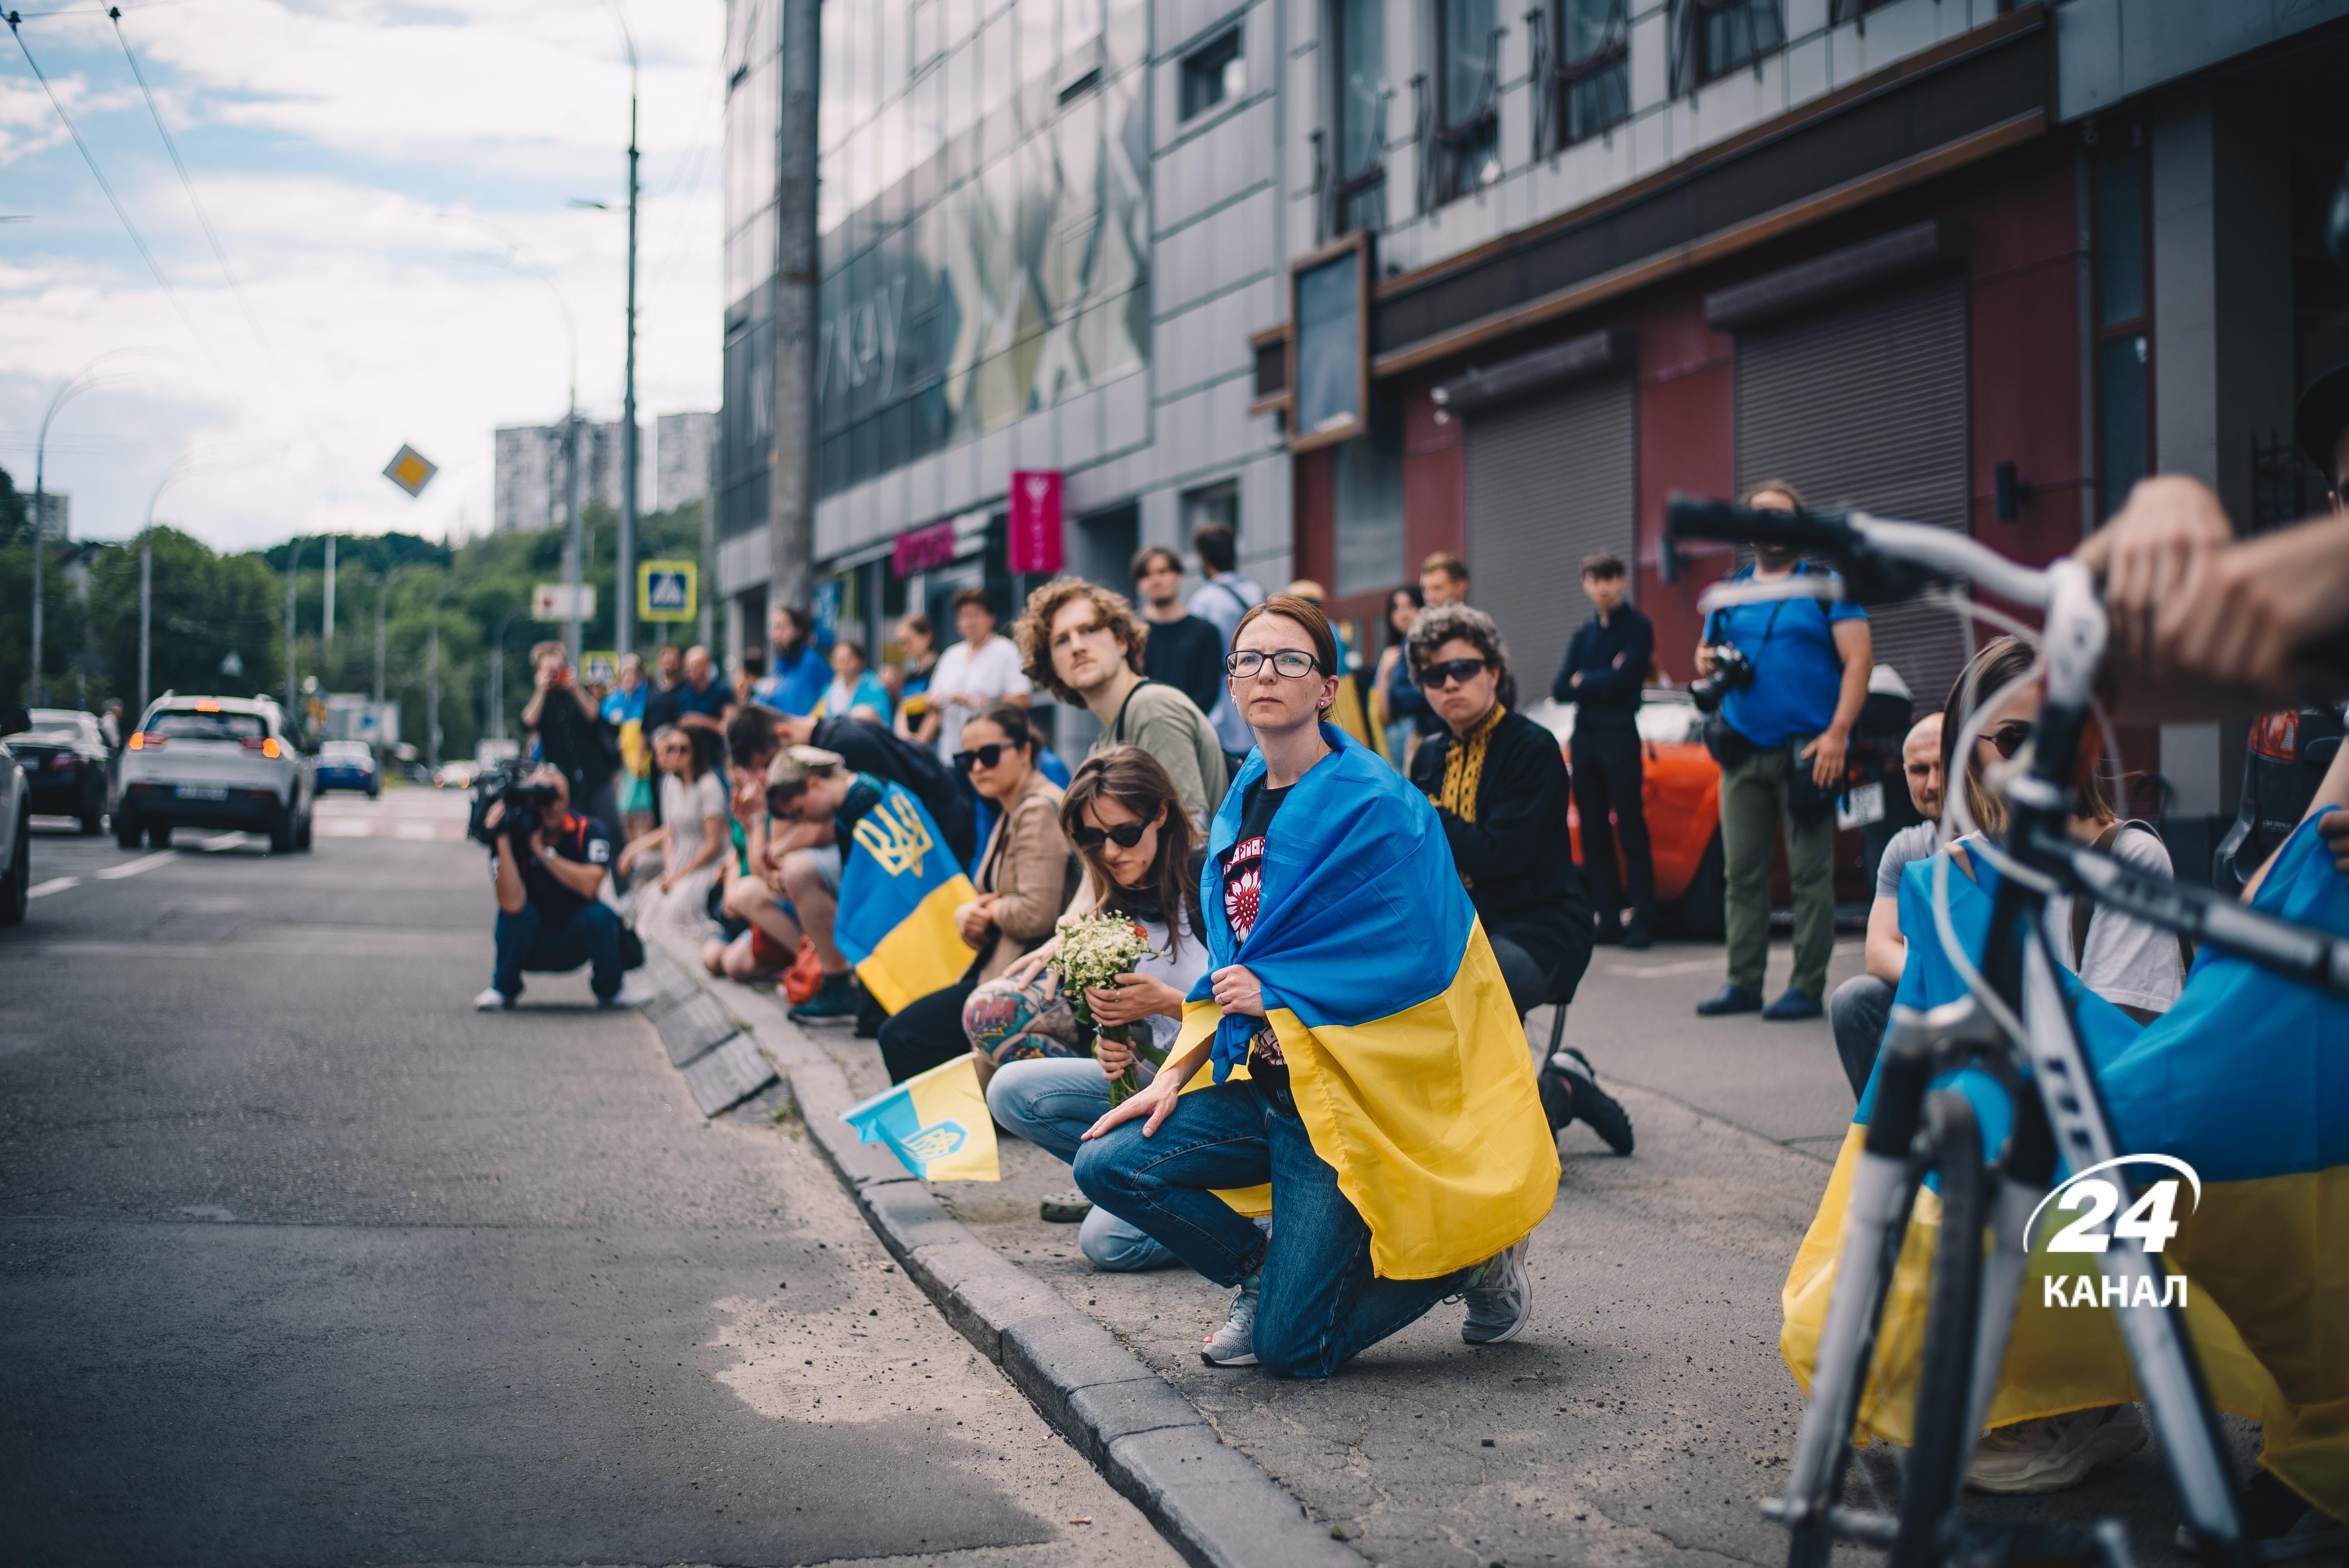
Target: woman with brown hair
pixel 1126 818
pixel 1372 1086
pixel 1025 878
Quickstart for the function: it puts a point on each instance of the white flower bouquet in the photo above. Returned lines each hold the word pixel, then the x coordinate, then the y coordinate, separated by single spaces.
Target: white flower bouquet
pixel 1095 950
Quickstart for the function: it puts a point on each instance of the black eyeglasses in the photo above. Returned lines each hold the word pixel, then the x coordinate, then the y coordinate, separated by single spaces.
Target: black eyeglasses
pixel 1294 663
pixel 1125 835
pixel 984 757
pixel 1450 670
pixel 2009 737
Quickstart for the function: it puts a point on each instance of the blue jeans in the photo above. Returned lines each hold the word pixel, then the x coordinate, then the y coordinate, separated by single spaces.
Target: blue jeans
pixel 1322 1306
pixel 591 936
pixel 1050 1101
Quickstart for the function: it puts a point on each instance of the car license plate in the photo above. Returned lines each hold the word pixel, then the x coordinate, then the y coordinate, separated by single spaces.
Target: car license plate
pixel 1861 806
pixel 201 792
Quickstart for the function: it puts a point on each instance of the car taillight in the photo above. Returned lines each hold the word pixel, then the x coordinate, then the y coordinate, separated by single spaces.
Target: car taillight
pixel 142 741
pixel 268 747
pixel 63 762
pixel 2277 736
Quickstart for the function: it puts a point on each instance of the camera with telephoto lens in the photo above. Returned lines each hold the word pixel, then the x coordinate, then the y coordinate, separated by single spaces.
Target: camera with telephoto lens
pixel 1732 671
pixel 526 804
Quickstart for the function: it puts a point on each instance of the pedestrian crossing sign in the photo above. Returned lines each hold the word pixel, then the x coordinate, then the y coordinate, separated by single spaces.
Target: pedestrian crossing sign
pixel 665 591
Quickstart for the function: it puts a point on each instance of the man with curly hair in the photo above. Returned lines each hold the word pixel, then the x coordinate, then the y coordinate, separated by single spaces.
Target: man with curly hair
pixel 1083 644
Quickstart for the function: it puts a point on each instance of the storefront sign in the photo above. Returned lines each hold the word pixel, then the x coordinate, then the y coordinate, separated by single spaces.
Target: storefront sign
pixel 1036 543
pixel 919 549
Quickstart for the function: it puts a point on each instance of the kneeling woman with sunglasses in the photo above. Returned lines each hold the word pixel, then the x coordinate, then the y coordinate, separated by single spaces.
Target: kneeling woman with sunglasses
pixel 1370 1085
pixel 1025 878
pixel 1124 813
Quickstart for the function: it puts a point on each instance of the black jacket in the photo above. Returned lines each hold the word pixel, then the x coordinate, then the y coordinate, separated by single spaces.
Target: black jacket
pixel 874 748
pixel 1516 855
pixel 1613 661
pixel 1187 654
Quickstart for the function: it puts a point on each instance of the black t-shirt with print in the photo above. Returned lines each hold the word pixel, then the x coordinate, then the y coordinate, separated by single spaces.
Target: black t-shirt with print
pixel 582 839
pixel 1242 886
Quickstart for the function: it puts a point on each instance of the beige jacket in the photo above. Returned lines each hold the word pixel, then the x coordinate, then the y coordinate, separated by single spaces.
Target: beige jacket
pixel 1029 866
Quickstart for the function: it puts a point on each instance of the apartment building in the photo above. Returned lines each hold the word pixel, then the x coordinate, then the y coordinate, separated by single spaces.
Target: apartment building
pixel 1976 263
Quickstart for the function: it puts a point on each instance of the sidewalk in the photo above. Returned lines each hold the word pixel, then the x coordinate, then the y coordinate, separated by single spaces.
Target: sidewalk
pixel 1646 1408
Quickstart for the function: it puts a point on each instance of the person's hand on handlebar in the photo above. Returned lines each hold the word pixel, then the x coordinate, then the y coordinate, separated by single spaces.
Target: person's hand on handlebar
pixel 2155 546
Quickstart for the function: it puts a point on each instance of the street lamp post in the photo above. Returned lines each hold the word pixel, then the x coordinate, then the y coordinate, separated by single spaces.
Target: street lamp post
pixel 293 567
pixel 624 611
pixel 147 572
pixel 498 677
pixel 81 382
pixel 432 700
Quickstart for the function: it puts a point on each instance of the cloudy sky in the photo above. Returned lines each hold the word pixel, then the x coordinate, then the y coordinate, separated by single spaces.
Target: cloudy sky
pixel 390 184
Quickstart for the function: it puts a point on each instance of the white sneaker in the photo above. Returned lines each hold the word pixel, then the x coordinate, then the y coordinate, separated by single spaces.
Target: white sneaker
pixel 2054 1453
pixel 629 995
pixel 494 1001
pixel 1233 1345
pixel 1501 1301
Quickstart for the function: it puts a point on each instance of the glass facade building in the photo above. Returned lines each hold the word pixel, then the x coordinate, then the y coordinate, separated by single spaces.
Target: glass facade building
pixel 983 218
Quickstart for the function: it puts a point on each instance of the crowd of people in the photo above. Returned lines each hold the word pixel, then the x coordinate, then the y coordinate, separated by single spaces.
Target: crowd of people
pixel 1354 878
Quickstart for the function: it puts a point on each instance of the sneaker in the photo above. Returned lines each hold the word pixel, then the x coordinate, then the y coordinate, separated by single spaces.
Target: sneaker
pixel 1604 1114
pixel 1639 933
pixel 1793 1004
pixel 494 1001
pixel 1729 999
pixel 629 995
pixel 1501 1297
pixel 835 1002
pixel 2054 1453
pixel 1608 933
pixel 1233 1345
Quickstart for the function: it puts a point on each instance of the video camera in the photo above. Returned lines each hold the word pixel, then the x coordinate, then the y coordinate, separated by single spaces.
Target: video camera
pixel 527 806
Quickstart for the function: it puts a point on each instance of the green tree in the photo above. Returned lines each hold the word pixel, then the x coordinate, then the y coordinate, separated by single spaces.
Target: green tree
pixel 61 619
pixel 206 607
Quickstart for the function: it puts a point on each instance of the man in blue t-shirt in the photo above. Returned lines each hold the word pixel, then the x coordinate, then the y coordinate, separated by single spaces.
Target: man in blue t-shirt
pixel 1784 758
pixel 797 671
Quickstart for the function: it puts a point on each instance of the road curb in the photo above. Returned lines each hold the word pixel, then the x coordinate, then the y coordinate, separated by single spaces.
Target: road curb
pixel 1211 1502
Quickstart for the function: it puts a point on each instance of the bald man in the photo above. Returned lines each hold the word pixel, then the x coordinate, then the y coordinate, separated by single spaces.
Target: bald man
pixel 1861 1005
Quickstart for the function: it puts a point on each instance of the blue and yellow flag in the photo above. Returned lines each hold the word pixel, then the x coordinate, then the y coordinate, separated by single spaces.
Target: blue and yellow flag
pixel 1405 1057
pixel 899 887
pixel 2246 1079
pixel 935 1123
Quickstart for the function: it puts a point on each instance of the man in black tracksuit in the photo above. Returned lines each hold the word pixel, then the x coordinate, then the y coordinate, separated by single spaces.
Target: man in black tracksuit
pixel 1606 666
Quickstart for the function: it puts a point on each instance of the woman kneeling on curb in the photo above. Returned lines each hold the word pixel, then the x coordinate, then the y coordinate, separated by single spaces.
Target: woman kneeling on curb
pixel 1125 815
pixel 1368 1063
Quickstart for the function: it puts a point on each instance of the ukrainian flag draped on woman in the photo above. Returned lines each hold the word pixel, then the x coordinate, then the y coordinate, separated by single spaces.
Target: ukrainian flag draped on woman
pixel 1406 1057
pixel 2247 1081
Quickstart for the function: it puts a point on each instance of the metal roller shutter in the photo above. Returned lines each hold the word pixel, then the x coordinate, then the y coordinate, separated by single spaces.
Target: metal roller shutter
pixel 1550 482
pixel 1864 405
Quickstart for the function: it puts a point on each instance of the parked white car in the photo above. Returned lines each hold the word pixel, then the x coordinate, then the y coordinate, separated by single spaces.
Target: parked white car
pixel 215 762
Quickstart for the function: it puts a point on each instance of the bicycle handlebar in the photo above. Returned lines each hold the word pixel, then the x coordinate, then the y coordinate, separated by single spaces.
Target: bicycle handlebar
pixel 1881 560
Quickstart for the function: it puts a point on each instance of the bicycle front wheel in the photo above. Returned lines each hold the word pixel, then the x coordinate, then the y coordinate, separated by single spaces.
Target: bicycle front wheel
pixel 1944 1441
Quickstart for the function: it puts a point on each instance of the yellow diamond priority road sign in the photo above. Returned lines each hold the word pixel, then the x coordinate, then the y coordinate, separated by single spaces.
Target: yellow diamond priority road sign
pixel 410 470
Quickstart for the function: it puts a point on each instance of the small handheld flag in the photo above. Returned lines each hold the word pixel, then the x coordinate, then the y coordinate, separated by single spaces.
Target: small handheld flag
pixel 935 1123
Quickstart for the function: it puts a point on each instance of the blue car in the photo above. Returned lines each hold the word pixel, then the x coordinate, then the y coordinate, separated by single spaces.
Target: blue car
pixel 348 765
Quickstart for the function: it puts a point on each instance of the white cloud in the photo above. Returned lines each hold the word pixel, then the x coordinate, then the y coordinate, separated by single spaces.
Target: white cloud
pixel 329 144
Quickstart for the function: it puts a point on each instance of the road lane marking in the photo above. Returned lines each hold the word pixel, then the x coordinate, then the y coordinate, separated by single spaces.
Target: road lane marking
pixel 133 868
pixel 419 830
pixel 54 885
pixel 344 827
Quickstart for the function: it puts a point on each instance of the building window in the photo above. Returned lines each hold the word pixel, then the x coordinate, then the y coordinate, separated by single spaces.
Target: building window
pixel 1360 95
pixel 2124 330
pixel 1467 124
pixel 1714 37
pixel 1218 502
pixel 1214 73
pixel 1593 73
pixel 1368 546
pixel 1842 11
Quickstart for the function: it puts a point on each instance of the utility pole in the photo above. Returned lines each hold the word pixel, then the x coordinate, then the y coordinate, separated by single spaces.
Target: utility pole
pixel 624 612
pixel 292 565
pixel 791 515
pixel 326 619
pixel 433 703
pixel 146 604
pixel 573 546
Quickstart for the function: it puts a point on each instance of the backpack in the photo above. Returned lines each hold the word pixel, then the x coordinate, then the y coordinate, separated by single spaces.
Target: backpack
pixel 2084 907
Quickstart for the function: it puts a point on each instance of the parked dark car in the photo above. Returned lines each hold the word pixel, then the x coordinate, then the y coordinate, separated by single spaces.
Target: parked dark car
pixel 348 765
pixel 66 762
pixel 2288 753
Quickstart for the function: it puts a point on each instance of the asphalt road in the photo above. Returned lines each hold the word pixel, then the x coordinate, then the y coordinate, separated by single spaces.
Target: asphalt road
pixel 302 1260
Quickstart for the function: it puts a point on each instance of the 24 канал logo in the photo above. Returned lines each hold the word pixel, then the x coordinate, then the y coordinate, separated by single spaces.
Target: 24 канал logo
pixel 2149 1223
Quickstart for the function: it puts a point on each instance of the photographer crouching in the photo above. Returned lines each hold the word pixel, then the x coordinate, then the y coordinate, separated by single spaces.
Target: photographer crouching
pixel 548 866
pixel 1783 681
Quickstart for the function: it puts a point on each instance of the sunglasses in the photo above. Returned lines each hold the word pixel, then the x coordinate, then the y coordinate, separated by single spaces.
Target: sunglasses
pixel 984 757
pixel 1293 662
pixel 2009 737
pixel 1444 674
pixel 1125 835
